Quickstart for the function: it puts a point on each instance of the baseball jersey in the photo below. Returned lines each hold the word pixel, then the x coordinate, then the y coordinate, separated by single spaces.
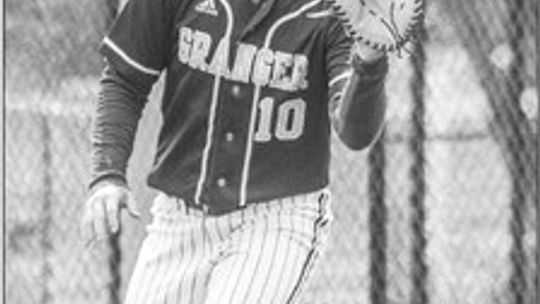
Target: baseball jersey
pixel 246 98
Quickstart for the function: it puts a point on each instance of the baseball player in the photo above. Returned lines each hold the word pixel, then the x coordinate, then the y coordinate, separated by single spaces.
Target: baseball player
pixel 252 88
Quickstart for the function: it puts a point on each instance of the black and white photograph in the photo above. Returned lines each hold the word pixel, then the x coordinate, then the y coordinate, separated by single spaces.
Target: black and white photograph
pixel 270 152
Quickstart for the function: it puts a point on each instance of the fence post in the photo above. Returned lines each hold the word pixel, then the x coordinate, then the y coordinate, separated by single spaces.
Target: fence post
pixel 46 212
pixel 536 200
pixel 114 262
pixel 377 222
pixel 417 140
pixel 111 9
pixel 520 157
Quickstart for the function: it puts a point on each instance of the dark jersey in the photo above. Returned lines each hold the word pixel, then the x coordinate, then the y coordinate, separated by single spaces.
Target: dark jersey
pixel 246 98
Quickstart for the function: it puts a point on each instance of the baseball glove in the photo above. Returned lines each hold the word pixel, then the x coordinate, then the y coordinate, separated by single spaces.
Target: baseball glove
pixel 385 25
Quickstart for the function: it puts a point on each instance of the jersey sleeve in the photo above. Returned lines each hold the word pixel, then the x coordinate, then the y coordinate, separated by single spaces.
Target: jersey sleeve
pixel 357 100
pixel 338 58
pixel 137 43
pixel 114 125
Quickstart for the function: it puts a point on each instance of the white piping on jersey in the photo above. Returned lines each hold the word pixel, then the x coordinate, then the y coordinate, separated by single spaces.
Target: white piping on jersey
pixel 128 59
pixel 320 14
pixel 256 95
pixel 345 76
pixel 215 98
pixel 340 77
pixel 340 95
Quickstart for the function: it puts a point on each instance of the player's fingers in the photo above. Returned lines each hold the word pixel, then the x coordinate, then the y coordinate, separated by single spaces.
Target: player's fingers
pixel 131 206
pixel 112 208
pixel 367 53
pixel 87 224
pixel 99 220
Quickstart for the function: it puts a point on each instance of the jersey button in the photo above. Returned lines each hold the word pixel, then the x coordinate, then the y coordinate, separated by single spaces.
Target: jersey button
pixel 229 136
pixel 222 182
pixel 235 90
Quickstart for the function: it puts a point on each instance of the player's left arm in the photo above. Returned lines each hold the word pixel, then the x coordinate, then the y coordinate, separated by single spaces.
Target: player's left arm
pixel 356 89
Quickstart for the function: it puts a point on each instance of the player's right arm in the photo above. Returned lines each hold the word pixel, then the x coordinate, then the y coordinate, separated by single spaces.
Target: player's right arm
pixel 118 110
pixel 135 50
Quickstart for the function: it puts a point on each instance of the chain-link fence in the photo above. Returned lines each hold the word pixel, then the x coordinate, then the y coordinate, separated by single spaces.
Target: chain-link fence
pixel 441 210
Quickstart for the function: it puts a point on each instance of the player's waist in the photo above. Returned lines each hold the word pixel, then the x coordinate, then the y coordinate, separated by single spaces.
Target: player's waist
pixel 220 195
pixel 312 201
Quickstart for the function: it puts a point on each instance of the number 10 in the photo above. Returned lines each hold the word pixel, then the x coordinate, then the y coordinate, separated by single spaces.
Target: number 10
pixel 290 120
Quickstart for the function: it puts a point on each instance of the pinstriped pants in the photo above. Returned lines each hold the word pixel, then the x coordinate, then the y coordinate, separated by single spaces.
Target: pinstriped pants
pixel 258 255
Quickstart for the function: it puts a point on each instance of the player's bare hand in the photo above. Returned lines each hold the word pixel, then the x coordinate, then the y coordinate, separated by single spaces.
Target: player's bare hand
pixel 366 53
pixel 101 214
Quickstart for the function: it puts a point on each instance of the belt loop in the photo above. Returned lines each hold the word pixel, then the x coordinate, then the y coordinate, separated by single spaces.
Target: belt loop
pixel 178 205
pixel 184 205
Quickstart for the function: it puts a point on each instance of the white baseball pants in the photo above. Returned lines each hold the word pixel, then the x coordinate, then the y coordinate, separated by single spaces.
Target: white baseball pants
pixel 258 255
